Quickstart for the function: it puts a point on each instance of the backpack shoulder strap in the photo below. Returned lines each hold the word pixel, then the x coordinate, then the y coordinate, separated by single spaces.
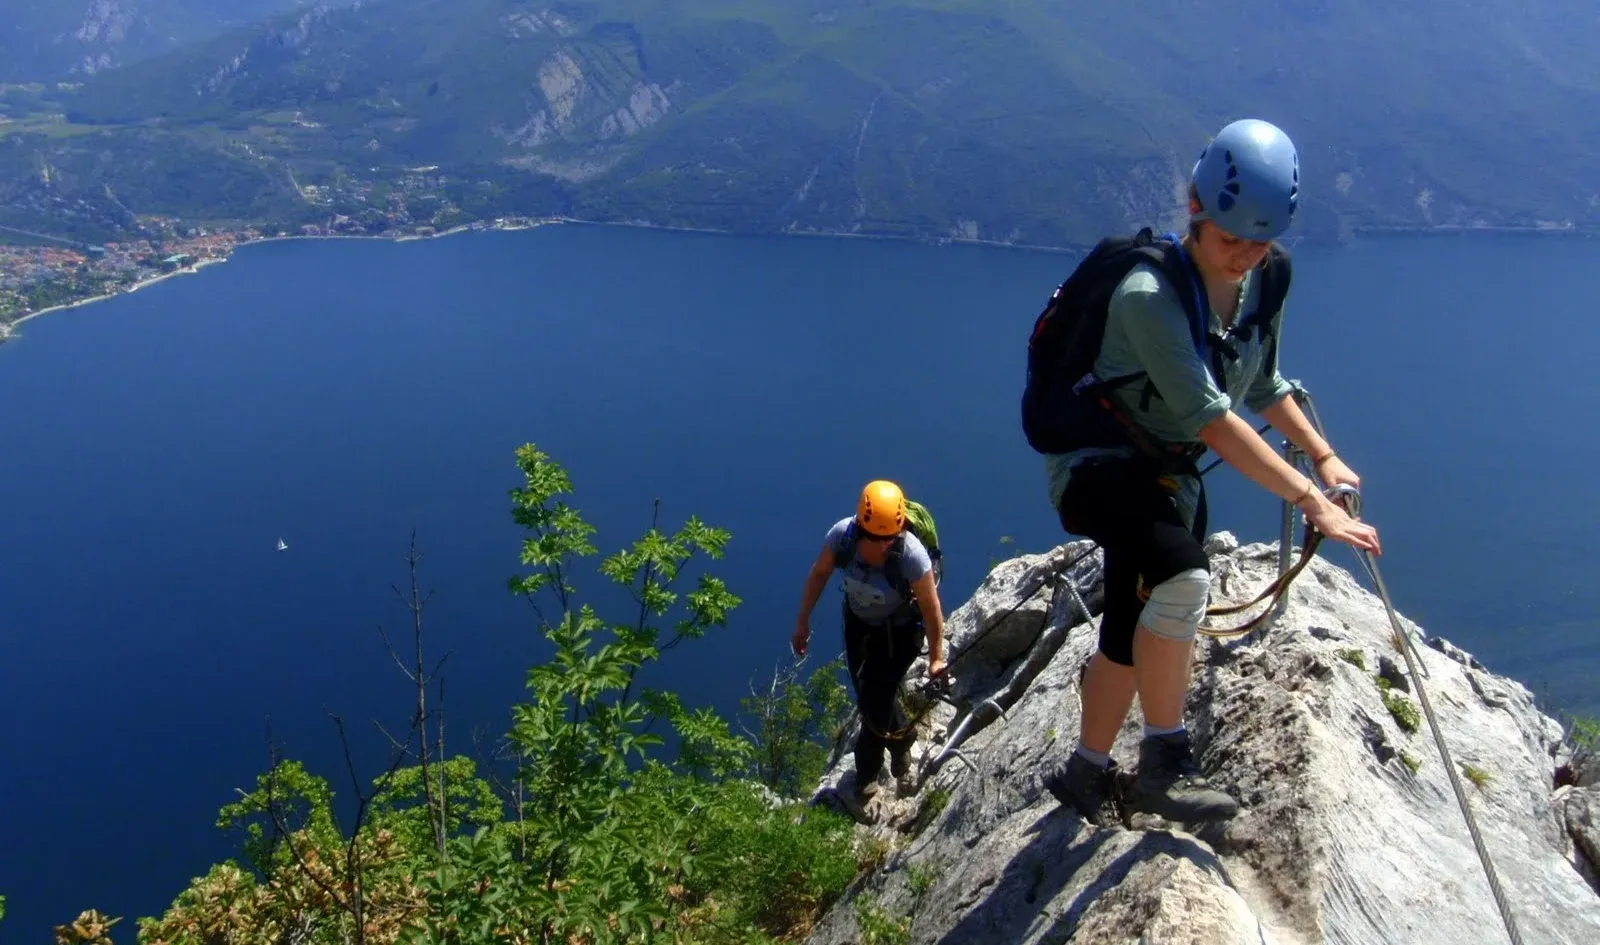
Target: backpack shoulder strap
pixel 1167 255
pixel 846 554
pixel 1181 274
pixel 1173 262
pixel 1275 278
pixel 894 566
pixel 1275 285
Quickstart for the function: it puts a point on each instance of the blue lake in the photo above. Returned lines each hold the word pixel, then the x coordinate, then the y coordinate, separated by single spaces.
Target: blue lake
pixel 339 394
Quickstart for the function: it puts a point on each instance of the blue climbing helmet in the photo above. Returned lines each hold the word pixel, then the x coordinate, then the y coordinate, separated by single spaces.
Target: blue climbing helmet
pixel 1248 180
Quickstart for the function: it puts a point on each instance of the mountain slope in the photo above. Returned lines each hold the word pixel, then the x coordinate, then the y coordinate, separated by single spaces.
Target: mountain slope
pixel 1019 121
pixel 58 39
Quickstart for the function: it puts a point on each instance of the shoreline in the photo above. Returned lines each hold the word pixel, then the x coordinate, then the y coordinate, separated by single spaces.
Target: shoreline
pixel 828 234
pixel 1354 234
pixel 9 329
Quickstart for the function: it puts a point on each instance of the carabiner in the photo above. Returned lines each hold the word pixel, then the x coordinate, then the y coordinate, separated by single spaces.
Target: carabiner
pixel 1350 495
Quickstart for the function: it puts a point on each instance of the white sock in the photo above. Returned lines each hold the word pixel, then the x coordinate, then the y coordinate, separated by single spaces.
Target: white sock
pixel 1150 730
pixel 1100 758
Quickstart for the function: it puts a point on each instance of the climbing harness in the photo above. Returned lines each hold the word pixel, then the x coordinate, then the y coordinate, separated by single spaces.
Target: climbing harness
pixel 931 692
pixel 1275 590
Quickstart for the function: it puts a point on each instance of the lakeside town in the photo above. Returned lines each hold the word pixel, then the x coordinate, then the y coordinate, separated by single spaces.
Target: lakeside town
pixel 42 272
pixel 35 279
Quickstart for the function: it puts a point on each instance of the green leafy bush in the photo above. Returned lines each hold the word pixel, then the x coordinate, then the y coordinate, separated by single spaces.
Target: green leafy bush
pixel 597 830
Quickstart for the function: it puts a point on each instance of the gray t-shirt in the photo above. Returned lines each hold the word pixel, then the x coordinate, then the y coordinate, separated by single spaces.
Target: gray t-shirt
pixel 866 588
pixel 1148 330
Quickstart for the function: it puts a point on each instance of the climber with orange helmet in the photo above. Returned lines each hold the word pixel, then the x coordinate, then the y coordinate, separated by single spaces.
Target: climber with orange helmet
pixel 891 600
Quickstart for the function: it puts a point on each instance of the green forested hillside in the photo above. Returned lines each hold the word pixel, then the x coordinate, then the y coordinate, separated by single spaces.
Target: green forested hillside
pixel 1010 120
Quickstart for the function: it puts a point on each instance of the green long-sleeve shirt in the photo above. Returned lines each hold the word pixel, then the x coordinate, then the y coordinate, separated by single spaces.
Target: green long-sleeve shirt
pixel 1148 330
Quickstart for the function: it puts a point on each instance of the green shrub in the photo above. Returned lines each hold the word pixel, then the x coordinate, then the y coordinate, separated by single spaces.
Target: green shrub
pixel 589 830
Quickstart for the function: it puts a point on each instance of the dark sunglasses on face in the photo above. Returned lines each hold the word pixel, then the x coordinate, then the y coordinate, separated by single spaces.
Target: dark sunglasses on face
pixel 868 536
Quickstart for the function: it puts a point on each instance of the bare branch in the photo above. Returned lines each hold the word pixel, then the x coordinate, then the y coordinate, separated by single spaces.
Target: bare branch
pixel 416 602
pixel 390 647
pixel 352 862
pixel 503 753
pixel 434 819
pixel 535 605
pixel 392 740
pixel 282 826
pixel 443 775
pixel 644 585
pixel 353 866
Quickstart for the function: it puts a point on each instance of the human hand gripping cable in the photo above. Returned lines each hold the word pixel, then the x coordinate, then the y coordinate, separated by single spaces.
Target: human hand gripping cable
pixel 1243 448
pixel 1331 518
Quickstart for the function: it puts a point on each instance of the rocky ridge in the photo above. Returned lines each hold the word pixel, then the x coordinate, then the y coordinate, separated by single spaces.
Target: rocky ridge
pixel 1350 832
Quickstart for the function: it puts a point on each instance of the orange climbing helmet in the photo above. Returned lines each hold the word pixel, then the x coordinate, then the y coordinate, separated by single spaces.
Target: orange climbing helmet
pixel 881 510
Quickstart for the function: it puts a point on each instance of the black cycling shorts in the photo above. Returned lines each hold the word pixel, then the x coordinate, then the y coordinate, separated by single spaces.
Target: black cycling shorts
pixel 1124 508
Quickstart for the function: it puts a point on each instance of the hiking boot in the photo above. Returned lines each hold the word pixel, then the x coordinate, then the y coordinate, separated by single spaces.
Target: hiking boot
pixel 1170 785
pixel 1084 786
pixel 900 767
pixel 854 797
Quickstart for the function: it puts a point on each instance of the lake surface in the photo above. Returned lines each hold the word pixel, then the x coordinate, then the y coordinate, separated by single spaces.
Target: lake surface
pixel 341 393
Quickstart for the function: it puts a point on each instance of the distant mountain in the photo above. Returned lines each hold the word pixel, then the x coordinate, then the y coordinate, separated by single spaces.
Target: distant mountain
pixel 52 40
pixel 1020 121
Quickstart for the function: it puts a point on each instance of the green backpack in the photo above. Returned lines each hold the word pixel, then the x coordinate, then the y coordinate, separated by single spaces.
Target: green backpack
pixel 919 522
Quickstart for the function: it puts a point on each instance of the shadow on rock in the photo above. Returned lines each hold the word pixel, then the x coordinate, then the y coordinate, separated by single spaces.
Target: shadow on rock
pixel 1045 892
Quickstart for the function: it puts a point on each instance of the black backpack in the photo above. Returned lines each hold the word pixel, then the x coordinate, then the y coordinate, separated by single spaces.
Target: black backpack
pixel 1065 407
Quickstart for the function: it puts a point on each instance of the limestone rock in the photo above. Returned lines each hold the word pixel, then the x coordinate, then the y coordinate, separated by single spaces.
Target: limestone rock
pixel 1585 767
pixel 1349 831
pixel 1581 808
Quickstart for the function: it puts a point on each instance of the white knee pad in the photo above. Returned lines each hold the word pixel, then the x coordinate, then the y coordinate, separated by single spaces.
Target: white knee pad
pixel 1177 605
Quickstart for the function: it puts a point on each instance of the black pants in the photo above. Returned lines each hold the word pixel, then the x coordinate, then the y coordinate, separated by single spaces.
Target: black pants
pixel 878 657
pixel 1125 508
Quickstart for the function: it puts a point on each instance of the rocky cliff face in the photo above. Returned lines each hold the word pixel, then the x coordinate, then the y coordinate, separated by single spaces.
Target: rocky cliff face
pixel 43 40
pixel 1349 833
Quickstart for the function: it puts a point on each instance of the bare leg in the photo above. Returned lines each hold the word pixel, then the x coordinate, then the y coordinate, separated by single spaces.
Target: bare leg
pixel 1083 782
pixel 1169 782
pixel 1108 690
pixel 1162 668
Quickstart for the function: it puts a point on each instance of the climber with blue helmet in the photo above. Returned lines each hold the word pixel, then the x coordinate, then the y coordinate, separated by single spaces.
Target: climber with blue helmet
pixel 1190 332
